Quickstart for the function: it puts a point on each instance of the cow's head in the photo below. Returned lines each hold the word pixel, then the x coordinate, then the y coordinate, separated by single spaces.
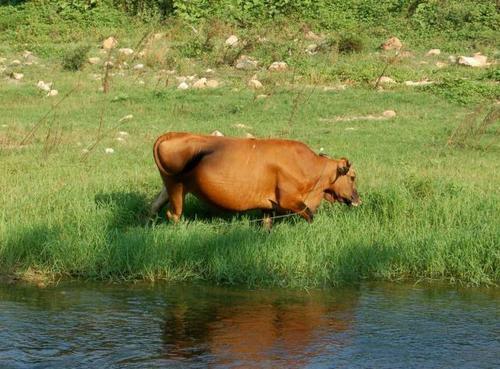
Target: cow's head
pixel 343 185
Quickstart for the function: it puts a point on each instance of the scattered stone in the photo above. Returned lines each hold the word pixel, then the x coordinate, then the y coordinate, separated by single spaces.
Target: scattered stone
pixel 138 66
pixel 121 139
pixel 53 93
pixel 255 84
pixel 212 83
pixel 419 83
pixel 109 150
pixel 3 60
pixel 109 64
pixel 126 117
pixel 44 86
pixel 386 80
pixel 389 113
pixel 232 41
pixel 406 54
pixel 141 82
pixel 191 78
pixel 201 83
pixel 217 133
pixel 183 86
pixel 433 52
pixel 311 36
pixel 242 126
pixel 278 66
pixel 94 60
pixel 246 63
pixel 261 96
pixel 476 61
pixel 209 70
pixel 126 51
pixel 452 59
pixel 124 133
pixel 17 76
pixel 181 79
pixel 441 65
pixel 392 43
pixel 15 62
pixel 27 54
pixel 158 35
pixel 340 87
pixel 249 135
pixel 109 43
pixel 312 49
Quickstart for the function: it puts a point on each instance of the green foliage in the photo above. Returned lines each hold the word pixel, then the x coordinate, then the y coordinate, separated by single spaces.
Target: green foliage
pixel 350 43
pixel 75 58
pixel 463 91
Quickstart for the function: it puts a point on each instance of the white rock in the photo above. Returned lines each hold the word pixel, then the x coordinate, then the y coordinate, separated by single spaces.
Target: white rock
pixel 201 83
pixel 17 76
pixel 217 133
pixel 441 65
pixel 15 62
pixel 231 41
pixel 3 60
pixel 141 82
pixel 392 43
pixel 249 135
pixel 433 52
pixel 278 66
pixel 246 63
pixel 108 64
pixel 389 113
pixel 255 84
pixel 27 54
pixel 209 71
pixel 124 133
pixel 53 93
pixel 240 125
pixel 183 86
pixel 138 66
pixel 212 83
pixel 109 150
pixel 126 51
pixel 109 43
pixel 419 83
pixel 120 139
pixel 476 61
pixel 44 86
pixel 181 79
pixel 191 78
pixel 261 96
pixel 386 80
pixel 452 59
pixel 94 60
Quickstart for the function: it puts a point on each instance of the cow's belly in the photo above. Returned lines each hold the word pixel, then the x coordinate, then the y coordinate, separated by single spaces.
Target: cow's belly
pixel 231 192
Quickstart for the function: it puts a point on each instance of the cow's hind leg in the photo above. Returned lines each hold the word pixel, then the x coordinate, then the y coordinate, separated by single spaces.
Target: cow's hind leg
pixel 176 196
pixel 160 200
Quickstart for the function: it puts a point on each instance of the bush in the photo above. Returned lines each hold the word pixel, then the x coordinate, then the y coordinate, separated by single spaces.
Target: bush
pixel 74 59
pixel 349 43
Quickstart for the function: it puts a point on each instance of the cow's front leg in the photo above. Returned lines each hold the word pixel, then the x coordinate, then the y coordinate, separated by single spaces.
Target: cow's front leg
pixel 296 206
pixel 176 196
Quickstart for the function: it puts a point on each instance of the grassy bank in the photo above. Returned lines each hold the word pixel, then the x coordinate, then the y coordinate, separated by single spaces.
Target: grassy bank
pixel 431 204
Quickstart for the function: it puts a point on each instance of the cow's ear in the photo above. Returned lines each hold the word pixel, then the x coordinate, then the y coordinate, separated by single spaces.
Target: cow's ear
pixel 343 166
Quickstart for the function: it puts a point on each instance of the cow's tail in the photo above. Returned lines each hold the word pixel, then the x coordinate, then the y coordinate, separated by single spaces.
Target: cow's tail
pixel 156 149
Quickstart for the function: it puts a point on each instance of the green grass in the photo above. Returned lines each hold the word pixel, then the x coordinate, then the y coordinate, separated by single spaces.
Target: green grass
pixel 430 211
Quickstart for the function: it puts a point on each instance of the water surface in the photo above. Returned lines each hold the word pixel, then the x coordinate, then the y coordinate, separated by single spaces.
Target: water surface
pixel 195 326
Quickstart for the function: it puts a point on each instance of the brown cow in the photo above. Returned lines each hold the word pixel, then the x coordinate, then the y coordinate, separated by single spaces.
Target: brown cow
pixel 239 174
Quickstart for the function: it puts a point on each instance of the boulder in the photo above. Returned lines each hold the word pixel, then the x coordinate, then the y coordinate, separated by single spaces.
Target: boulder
pixel 138 66
pixel 392 43
pixel 53 93
pixel 44 86
pixel 217 133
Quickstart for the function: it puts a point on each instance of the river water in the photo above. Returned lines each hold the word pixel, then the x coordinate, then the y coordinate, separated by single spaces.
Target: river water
pixel 195 326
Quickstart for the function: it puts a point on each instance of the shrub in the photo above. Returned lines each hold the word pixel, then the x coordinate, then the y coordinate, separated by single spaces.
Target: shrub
pixel 349 43
pixel 74 59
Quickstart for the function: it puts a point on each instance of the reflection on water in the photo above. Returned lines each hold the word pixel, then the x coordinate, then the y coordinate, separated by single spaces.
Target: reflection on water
pixel 144 326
